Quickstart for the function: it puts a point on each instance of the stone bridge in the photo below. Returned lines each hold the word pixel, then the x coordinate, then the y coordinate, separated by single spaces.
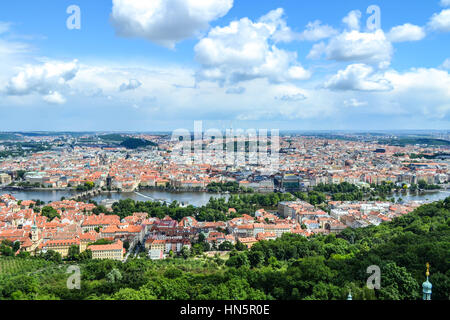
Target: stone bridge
pixel 87 194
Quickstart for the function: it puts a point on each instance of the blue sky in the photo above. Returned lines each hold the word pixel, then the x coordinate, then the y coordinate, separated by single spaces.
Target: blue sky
pixel 288 64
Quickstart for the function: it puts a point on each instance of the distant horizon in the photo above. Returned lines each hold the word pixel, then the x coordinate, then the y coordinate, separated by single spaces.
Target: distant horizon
pixel 224 150
pixel 354 131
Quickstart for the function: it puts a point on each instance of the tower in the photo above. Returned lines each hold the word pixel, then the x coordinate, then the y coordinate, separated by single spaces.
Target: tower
pixel 34 231
pixel 427 286
pixel 349 297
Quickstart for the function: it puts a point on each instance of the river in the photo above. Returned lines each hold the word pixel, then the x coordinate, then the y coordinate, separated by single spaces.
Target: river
pixel 197 199
pixel 424 196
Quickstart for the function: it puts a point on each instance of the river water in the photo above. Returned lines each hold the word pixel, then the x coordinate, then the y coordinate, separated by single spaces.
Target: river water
pixel 426 196
pixel 197 199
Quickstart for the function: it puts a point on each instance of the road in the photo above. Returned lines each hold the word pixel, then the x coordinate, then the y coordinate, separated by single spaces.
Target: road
pixel 133 250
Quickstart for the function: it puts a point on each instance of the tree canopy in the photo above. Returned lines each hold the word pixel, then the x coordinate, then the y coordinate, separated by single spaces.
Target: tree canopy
pixel 323 267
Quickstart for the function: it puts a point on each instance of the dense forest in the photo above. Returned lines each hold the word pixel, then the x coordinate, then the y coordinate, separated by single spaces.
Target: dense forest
pixel 350 192
pixel 19 149
pixel 232 187
pixel 291 268
pixel 133 143
pixel 404 141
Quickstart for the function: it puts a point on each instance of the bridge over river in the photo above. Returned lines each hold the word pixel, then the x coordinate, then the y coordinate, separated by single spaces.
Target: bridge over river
pixel 87 194
pixel 95 192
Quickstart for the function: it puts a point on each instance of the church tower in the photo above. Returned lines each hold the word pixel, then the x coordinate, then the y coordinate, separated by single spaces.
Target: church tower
pixel 427 286
pixel 34 231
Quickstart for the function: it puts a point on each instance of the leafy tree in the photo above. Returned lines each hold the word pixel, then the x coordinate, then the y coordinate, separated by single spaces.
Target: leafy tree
pixel 126 245
pixel 6 248
pixel 52 255
pixel 226 246
pixel 256 258
pixel 74 253
pixel 173 273
pixel 185 253
pixel 240 246
pixel 201 238
pixel 50 213
pixel 238 260
pixel 114 276
pixel 85 255
pixel 101 242
pixel 398 284
pixel 131 294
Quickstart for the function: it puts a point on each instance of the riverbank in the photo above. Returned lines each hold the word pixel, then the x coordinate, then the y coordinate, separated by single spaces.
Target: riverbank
pixel 197 199
pixel 14 188
pixel 192 198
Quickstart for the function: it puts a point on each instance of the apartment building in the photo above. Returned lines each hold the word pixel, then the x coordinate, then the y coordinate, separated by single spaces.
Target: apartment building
pixel 155 248
pixel 5 179
pixel 113 251
pixel 60 246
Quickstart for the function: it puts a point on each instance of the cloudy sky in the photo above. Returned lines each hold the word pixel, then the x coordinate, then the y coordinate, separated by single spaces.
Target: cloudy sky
pixel 150 65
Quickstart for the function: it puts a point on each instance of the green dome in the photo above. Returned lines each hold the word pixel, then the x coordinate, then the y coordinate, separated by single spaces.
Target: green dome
pixel 427 286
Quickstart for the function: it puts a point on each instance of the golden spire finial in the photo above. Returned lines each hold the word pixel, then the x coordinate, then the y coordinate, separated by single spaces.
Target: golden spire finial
pixel 428 269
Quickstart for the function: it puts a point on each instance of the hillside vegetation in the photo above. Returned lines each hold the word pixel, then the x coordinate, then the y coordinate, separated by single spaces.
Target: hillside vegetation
pixel 291 267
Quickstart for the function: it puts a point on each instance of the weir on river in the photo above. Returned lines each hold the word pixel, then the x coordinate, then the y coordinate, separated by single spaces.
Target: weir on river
pixel 150 198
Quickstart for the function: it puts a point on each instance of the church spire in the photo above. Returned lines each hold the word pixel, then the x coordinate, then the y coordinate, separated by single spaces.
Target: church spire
pixel 34 222
pixel 427 286
pixel 34 231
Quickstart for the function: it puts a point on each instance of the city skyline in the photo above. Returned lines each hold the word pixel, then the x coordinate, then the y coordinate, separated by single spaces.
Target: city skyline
pixel 216 158
pixel 159 66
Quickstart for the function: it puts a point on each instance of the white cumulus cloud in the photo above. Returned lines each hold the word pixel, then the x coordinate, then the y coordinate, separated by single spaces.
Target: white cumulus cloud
pixel 440 21
pixel 317 31
pixel 131 85
pixel 289 93
pixel 54 98
pixel 352 20
pixel 166 22
pixel 406 32
pixel 45 79
pixel 358 77
pixel 421 91
pixel 355 46
pixel 292 97
pixel 445 3
pixel 246 50
pixel 355 103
